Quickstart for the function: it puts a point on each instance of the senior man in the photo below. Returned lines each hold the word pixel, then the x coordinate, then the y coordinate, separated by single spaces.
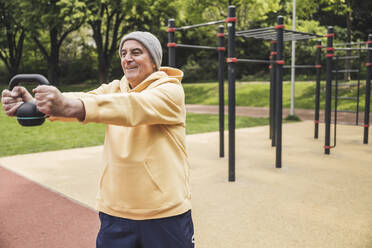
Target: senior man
pixel 144 195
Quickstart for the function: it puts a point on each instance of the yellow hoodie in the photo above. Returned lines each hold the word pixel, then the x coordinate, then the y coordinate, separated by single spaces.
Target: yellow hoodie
pixel 146 173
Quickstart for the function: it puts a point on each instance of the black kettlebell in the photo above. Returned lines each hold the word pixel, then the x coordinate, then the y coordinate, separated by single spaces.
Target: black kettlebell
pixel 27 113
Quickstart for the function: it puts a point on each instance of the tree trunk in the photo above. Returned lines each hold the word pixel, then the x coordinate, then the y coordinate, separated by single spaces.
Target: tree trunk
pixel 53 59
pixel 103 70
pixel 53 71
pixel 12 60
pixel 104 63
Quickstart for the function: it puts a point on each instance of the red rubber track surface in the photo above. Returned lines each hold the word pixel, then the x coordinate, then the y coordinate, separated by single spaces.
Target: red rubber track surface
pixel 33 216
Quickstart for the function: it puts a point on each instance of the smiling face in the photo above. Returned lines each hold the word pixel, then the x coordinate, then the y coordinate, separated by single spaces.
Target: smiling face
pixel 136 62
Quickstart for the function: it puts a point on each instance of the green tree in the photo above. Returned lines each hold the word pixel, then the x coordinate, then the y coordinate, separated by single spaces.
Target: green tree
pixel 111 19
pixel 247 11
pixel 12 36
pixel 49 22
pixel 106 20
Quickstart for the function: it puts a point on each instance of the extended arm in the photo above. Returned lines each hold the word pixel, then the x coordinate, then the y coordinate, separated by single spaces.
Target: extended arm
pixel 51 102
pixel 163 104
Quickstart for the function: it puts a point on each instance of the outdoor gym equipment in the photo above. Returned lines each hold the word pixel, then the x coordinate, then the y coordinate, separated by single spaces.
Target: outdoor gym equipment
pixel 329 56
pixel 277 35
pixel 318 68
pixel 27 113
pixel 221 55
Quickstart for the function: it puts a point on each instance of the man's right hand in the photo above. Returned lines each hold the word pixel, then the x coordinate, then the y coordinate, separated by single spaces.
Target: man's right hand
pixel 11 100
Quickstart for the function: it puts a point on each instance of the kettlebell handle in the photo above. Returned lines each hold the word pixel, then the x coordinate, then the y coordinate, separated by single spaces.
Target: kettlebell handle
pixel 27 78
pixel 27 113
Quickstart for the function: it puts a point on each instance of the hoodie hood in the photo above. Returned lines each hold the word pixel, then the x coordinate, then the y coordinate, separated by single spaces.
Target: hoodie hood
pixel 167 74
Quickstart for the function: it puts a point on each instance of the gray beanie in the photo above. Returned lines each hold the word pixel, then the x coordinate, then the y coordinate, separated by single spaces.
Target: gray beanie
pixel 149 41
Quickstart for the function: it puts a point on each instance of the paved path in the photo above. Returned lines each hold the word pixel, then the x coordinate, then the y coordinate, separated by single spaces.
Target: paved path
pixel 315 200
pixel 303 114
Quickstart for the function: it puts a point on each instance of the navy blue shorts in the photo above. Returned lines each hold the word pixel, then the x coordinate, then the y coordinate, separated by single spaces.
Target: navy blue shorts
pixel 171 232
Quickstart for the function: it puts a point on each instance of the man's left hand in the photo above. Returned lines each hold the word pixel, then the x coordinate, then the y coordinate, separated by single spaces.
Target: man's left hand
pixel 51 102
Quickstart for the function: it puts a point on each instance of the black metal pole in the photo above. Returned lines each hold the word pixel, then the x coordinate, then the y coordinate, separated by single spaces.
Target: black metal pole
pixel 221 65
pixel 279 91
pixel 318 67
pixel 231 60
pixel 171 43
pixel 336 103
pixel 328 98
pixel 272 92
pixel 358 88
pixel 368 91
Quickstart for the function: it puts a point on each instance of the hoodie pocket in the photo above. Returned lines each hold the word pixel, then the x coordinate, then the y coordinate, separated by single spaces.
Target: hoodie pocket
pixel 154 179
pixel 132 187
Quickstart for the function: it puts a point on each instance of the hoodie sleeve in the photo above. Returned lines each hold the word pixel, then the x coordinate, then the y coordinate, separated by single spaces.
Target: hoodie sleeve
pixel 103 89
pixel 163 104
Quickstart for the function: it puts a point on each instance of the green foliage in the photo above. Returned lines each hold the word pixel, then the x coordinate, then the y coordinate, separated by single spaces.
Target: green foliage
pixel 247 11
pixel 205 69
pixel 78 60
pixel 292 118
pixel 110 20
pixel 12 36
pixel 39 15
pixel 48 27
pixel 48 24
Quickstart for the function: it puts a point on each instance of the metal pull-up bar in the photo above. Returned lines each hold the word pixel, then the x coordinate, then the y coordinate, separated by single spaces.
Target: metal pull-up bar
pixel 200 25
pixel 193 46
pixel 256 61
pixel 342 71
pixel 347 57
pixel 301 66
pixel 352 48
pixel 349 44
pixel 221 60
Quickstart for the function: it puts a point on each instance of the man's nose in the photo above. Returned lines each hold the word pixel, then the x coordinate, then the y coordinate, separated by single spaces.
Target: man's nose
pixel 127 57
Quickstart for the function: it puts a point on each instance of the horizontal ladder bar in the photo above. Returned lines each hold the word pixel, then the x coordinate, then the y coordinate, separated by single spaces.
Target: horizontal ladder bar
pixel 351 43
pixel 200 25
pixel 197 46
pixel 346 57
pixel 344 98
pixel 352 49
pixel 344 85
pixel 256 61
pixel 346 111
pixel 300 66
pixel 345 71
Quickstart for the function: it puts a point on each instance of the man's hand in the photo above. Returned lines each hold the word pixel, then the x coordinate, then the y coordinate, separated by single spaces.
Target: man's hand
pixel 51 102
pixel 11 100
